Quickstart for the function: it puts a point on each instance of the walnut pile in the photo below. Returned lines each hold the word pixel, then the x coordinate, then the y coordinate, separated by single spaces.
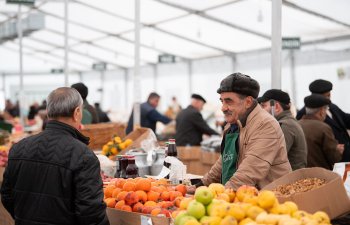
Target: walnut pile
pixel 302 185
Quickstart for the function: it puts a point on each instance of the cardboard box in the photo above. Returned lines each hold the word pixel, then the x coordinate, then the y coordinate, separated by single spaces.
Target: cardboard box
pixel 118 217
pixel 331 197
pixel 101 133
pixel 189 152
pixel 209 158
pixel 137 136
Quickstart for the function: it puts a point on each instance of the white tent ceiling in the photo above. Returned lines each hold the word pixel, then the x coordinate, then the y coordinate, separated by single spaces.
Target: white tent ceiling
pixel 189 29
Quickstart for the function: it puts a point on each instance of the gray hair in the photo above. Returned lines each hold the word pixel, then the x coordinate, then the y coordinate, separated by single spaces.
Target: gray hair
pixel 62 102
pixel 312 111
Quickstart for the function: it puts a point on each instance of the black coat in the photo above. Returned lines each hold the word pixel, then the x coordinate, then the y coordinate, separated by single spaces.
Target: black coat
pixel 190 126
pixel 54 178
pixel 339 124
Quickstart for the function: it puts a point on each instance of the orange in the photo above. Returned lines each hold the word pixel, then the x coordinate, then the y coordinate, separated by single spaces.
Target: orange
pixel 150 203
pixel 110 202
pixel 129 186
pixel 143 184
pixel 131 198
pixel 165 196
pixel 108 191
pixel 141 195
pixel 181 188
pixel 137 207
pixel 155 211
pixel 153 196
pixel 115 193
pixel 174 195
pixel 120 183
pixel 126 208
pixel 122 195
pixel 119 204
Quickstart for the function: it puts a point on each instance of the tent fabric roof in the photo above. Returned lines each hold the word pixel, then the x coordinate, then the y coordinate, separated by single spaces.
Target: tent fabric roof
pixel 189 29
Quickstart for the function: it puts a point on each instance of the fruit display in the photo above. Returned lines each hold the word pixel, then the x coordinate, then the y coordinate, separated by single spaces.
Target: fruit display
pixel 3 155
pixel 215 205
pixel 302 185
pixel 144 195
pixel 113 147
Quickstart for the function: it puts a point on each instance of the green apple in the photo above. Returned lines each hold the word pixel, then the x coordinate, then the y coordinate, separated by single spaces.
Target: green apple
pixel 196 209
pixel 203 195
pixel 179 216
pixel 214 202
pixel 184 219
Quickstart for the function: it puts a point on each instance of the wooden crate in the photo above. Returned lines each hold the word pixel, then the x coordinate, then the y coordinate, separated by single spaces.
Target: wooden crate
pixel 101 133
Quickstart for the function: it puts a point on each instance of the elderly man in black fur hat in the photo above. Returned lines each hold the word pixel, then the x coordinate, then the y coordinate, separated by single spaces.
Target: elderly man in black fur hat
pixel 323 148
pixel 338 120
pixel 253 149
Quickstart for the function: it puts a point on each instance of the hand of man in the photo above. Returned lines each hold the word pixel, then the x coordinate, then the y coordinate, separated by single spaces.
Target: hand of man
pixel 340 148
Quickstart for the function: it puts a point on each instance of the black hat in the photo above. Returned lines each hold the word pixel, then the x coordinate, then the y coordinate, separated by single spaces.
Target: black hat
pixel 82 89
pixel 196 96
pixel 276 95
pixel 320 86
pixel 316 101
pixel 241 84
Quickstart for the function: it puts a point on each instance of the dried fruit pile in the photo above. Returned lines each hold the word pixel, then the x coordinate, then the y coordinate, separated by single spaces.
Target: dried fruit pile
pixel 302 185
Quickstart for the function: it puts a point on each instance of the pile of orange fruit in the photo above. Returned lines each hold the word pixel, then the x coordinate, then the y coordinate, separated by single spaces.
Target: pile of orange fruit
pixel 113 147
pixel 144 195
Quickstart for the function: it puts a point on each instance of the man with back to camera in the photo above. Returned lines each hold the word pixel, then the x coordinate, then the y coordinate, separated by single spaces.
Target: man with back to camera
pixel 277 103
pixel 190 125
pixel 89 110
pixel 253 150
pixel 149 114
pixel 323 148
pixel 338 120
pixel 53 177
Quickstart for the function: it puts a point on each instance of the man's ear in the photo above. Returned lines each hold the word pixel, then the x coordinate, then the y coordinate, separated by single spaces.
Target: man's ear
pixel 249 100
pixel 76 113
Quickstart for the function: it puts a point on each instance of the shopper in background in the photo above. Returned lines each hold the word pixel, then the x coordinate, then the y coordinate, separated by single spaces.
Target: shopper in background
pixel 338 120
pixel 190 125
pixel 89 116
pixel 277 103
pixel 323 148
pixel 102 116
pixel 174 108
pixel 149 114
pixel 53 177
pixel 253 150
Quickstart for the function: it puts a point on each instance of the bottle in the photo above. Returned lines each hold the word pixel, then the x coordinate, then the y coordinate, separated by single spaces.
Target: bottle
pixel 172 151
pixel 131 170
pixel 123 165
pixel 118 167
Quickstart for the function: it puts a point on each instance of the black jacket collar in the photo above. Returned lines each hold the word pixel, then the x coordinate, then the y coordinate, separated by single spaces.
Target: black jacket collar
pixel 57 125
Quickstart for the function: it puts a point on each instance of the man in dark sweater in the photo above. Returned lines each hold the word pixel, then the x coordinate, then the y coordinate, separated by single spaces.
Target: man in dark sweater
pixel 190 125
pixel 53 177
pixel 149 114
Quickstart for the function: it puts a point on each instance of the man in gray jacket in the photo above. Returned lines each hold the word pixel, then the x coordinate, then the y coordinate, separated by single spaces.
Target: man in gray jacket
pixel 277 103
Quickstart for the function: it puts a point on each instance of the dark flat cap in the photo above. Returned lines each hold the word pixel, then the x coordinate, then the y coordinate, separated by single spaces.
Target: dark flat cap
pixel 199 97
pixel 276 95
pixel 82 89
pixel 241 84
pixel 320 86
pixel 316 101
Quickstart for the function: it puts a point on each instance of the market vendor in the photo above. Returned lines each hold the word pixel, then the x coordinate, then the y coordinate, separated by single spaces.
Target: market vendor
pixel 253 150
